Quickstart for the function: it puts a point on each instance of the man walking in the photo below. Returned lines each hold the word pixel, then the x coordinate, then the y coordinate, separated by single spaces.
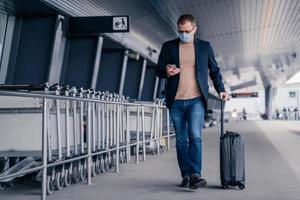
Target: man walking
pixel 185 62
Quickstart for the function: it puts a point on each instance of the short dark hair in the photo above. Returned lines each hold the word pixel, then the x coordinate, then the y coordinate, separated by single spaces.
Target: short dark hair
pixel 186 17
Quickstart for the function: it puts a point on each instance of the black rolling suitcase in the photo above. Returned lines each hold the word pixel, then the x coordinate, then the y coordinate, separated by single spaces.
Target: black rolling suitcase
pixel 232 157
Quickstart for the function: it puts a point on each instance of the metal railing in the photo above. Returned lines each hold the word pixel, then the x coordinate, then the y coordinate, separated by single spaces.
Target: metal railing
pixel 86 135
pixel 287 115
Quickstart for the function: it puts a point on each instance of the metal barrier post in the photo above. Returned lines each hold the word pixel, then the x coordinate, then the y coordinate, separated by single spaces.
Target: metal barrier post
pixel 114 126
pixel 137 134
pixel 168 129
pixel 49 150
pixel 94 128
pixel 156 128
pixel 122 139
pixel 162 139
pixel 152 131
pixel 81 107
pixel 98 127
pixel 103 126
pixel 115 132
pixel 89 159
pixel 124 142
pixel 118 140
pixel 67 109
pixel 44 149
pixel 143 131
pixel 128 154
pixel 58 129
pixel 110 131
pixel 107 133
pixel 75 127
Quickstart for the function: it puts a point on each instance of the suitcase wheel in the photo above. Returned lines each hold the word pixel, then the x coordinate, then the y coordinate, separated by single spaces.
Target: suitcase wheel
pixel 242 186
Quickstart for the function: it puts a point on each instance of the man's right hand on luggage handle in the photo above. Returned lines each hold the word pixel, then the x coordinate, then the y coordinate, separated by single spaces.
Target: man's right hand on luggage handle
pixel 224 96
pixel 172 70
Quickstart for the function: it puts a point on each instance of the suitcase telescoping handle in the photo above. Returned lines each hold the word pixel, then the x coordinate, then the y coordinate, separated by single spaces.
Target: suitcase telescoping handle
pixel 222 117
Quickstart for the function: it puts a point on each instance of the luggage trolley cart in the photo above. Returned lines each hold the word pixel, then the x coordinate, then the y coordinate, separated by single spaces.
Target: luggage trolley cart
pixel 63 135
pixel 87 133
pixel 146 126
pixel 19 114
pixel 65 139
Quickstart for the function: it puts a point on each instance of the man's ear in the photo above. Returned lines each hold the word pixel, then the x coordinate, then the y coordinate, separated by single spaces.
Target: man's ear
pixel 195 29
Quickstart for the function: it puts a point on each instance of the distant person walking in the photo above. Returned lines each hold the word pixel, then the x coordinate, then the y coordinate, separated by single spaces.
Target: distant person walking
pixel 244 114
pixel 185 63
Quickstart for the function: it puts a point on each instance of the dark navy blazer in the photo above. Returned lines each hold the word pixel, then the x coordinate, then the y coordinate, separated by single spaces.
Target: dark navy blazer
pixel 205 60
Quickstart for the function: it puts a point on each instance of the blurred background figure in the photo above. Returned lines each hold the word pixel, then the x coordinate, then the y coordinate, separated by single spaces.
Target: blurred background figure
pixel 244 114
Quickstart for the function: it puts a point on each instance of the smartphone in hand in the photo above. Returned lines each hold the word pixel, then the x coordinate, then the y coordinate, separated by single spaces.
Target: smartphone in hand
pixel 173 66
pixel 172 70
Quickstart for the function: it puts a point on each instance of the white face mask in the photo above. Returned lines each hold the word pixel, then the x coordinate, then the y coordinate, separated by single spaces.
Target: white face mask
pixel 185 37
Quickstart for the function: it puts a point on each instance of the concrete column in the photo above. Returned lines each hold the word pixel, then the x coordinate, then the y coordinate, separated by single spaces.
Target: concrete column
pixel 155 88
pixel 123 74
pixel 269 101
pixel 142 79
pixel 3 18
pixel 97 62
pixel 57 55
pixel 6 48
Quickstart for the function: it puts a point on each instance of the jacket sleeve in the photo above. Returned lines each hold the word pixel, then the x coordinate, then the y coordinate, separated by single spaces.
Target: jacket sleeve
pixel 162 62
pixel 214 71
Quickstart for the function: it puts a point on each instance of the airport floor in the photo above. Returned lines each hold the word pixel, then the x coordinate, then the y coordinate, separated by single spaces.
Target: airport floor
pixel 272 171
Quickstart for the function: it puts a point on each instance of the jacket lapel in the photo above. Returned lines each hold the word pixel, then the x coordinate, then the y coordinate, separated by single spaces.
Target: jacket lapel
pixel 198 54
pixel 200 66
pixel 177 58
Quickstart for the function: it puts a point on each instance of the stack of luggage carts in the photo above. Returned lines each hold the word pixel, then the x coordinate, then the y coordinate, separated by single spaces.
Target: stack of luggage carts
pixel 88 132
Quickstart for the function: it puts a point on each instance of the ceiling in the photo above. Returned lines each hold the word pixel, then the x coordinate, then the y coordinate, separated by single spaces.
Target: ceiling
pixel 259 35
pixel 31 7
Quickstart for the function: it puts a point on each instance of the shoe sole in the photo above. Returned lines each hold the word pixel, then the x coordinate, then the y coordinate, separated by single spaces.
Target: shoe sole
pixel 200 184
pixel 185 186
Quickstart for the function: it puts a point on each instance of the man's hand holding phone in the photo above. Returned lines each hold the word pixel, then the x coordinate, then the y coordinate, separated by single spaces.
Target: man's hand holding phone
pixel 172 69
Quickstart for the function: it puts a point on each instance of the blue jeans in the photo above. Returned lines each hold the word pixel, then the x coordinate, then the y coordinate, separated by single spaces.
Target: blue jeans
pixel 188 118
